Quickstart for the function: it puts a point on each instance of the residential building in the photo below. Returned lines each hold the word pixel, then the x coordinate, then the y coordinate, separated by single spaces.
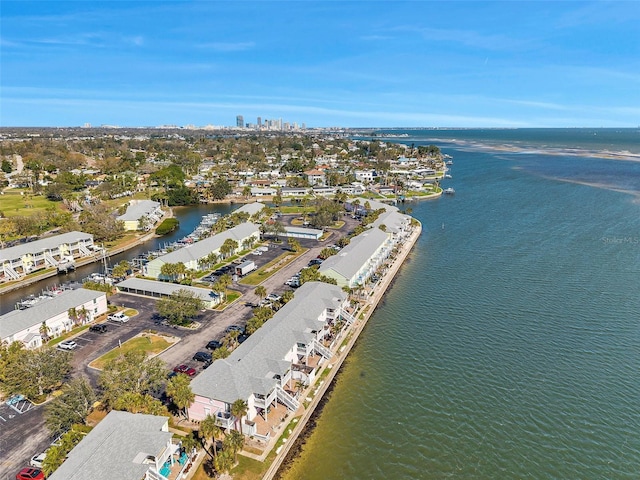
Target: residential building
pixel 395 223
pixel 365 175
pixel 192 255
pixel 126 446
pixel 315 177
pixel 20 260
pixel 358 205
pixel 354 264
pixel 262 370
pixel 250 208
pixel 294 191
pixel 153 288
pixel 56 312
pixel 141 215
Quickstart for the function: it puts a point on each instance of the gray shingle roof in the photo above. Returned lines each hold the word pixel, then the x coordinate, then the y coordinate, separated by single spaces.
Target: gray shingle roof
pixel 18 251
pixel 138 209
pixel 351 258
pixel 18 320
pixel 115 448
pixel 204 247
pixel 250 367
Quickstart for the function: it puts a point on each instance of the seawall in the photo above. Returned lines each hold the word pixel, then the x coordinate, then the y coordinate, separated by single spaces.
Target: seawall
pixel 292 443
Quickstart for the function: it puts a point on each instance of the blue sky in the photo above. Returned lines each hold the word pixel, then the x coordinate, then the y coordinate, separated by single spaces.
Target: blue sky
pixel 329 63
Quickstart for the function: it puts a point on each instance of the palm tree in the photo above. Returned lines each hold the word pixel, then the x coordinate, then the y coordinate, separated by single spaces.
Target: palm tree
pixel 209 428
pixel 44 331
pixel 234 441
pixel 239 410
pixel 179 390
pixel 261 292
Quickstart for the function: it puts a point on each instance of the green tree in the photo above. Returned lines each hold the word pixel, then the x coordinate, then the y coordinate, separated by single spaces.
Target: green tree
pixel 136 402
pixel 57 454
pixel 131 372
pixel 179 391
pixel 239 409
pixel 220 189
pixel 71 407
pixel 294 245
pixel 6 166
pixel 228 247
pixel 234 442
pixel 180 308
pixel 121 269
pixel 246 191
pixel 260 292
pixel 35 372
pixel 224 462
pixel 209 428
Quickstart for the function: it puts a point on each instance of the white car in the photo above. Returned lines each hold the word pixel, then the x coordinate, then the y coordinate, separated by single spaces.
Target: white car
pixel 67 345
pixel 36 460
pixel 118 317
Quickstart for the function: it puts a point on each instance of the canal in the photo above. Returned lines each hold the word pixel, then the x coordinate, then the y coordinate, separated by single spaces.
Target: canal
pixel 189 218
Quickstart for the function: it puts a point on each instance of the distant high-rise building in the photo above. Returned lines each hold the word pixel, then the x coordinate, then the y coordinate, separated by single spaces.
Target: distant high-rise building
pixel 259 122
pixel 240 121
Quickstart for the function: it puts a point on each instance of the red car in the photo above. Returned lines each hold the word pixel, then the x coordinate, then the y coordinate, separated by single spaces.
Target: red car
pixel 186 369
pixel 30 474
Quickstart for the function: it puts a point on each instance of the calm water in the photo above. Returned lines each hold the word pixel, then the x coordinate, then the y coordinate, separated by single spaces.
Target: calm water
pixel 509 345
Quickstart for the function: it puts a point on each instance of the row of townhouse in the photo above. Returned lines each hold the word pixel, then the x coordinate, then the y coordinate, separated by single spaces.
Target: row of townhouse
pixel 264 370
pixel 23 259
pixel 354 264
pixel 51 317
pixel 192 255
pixel 126 446
pixel 141 215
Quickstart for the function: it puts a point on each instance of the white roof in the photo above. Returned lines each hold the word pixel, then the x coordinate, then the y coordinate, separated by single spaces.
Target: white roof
pixel 138 209
pixel 251 367
pixel 250 208
pixel 116 448
pixel 19 320
pixel 48 243
pixel 393 220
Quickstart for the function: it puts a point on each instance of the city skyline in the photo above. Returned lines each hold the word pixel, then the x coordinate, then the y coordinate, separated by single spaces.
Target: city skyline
pixel 325 64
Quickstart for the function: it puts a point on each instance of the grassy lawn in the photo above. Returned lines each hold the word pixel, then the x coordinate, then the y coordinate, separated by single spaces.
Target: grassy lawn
pixel 131 312
pixel 14 203
pixel 337 225
pixel 288 209
pixel 150 344
pixel 264 272
pixel 230 297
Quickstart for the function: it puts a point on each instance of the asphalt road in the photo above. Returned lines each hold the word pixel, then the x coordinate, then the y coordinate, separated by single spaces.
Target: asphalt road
pixel 25 435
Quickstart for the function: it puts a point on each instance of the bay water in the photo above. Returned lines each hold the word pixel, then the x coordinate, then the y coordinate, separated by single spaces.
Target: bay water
pixel 508 347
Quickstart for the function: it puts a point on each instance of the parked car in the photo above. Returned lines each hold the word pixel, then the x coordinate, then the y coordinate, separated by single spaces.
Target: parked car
pixel 272 297
pixel 214 345
pixel 186 369
pixel 30 474
pixel 118 317
pixel 99 328
pixel 36 460
pixel 68 345
pixel 202 357
pixel 234 328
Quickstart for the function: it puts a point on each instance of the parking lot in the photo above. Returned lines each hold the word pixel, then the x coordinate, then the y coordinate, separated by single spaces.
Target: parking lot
pixel 24 435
